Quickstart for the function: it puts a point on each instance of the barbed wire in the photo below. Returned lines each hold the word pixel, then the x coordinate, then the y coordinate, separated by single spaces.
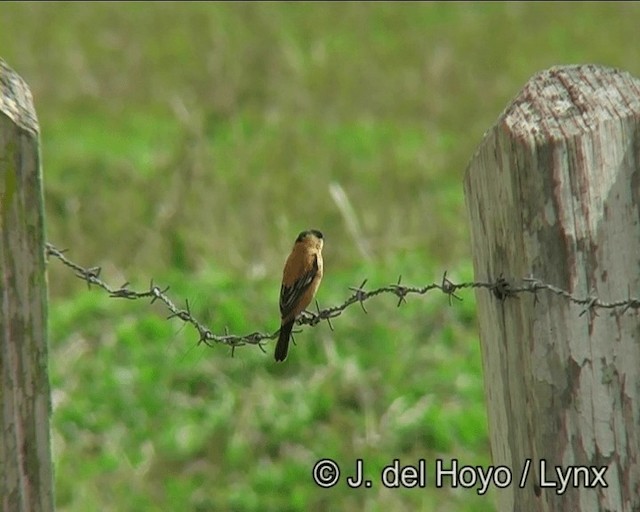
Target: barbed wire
pixel 501 288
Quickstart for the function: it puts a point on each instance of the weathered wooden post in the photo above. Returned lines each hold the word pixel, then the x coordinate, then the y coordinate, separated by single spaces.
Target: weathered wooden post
pixel 554 192
pixel 26 482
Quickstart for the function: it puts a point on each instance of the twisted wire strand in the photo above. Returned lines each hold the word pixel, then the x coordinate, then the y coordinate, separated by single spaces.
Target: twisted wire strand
pixel 501 288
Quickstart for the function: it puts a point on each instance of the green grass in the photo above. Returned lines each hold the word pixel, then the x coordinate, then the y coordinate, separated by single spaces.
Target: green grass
pixel 190 144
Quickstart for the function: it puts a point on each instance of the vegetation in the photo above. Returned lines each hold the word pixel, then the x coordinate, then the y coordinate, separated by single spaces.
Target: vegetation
pixel 190 143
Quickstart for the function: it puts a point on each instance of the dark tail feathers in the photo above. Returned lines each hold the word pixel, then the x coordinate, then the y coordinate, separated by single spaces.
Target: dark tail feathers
pixel 282 347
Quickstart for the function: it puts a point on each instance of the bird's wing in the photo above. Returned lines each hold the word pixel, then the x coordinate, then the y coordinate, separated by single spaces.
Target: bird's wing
pixel 290 295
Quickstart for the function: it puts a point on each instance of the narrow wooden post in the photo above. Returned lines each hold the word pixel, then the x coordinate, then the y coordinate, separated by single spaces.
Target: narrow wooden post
pixel 554 192
pixel 26 483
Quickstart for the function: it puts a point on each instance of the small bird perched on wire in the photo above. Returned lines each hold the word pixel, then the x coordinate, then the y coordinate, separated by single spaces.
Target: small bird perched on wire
pixel 300 280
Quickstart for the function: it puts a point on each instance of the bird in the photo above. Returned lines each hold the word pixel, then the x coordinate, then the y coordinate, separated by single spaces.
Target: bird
pixel 300 280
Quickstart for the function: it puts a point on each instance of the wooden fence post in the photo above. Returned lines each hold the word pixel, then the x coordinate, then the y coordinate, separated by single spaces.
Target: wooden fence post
pixel 26 483
pixel 553 192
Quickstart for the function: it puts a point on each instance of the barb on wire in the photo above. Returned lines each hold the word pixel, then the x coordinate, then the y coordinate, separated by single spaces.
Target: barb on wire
pixel 501 288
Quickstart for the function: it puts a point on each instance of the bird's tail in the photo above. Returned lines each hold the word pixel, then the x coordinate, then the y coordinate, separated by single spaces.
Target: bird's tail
pixel 282 347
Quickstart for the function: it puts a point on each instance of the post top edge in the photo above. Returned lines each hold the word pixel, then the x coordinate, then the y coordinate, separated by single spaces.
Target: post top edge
pixel 16 101
pixel 567 100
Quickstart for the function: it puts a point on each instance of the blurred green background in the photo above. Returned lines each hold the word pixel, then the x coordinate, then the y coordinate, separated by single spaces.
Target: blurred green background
pixel 190 143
